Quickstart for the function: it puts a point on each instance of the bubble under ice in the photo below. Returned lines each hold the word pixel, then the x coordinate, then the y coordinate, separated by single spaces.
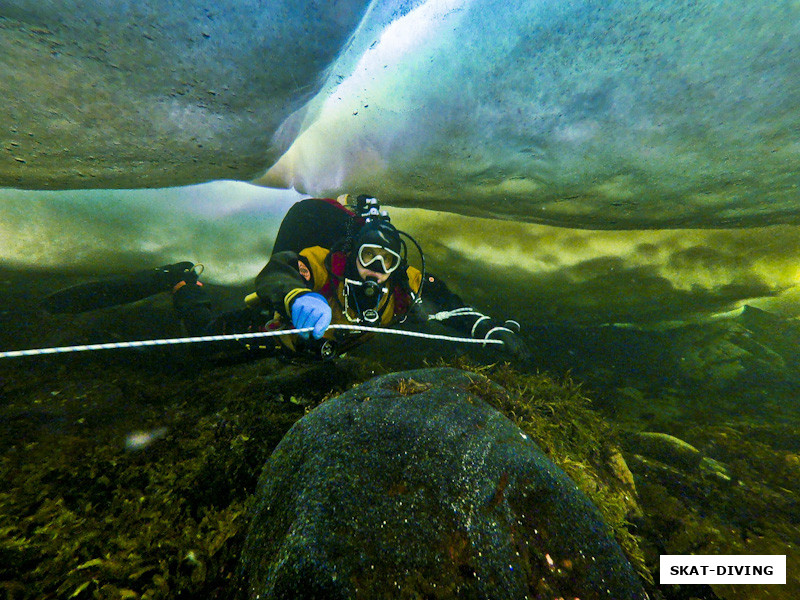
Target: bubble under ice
pixel 600 114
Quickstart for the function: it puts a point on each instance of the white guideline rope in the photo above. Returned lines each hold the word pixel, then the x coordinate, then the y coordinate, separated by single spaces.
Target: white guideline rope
pixel 232 336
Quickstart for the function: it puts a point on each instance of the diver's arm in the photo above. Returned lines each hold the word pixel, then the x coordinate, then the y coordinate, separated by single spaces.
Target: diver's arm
pixel 448 308
pixel 280 282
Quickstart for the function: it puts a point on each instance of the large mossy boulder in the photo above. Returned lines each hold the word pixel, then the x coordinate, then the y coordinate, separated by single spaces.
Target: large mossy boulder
pixel 412 486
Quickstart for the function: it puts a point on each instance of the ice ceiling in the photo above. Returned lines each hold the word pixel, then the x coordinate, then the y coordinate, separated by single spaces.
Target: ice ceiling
pixel 601 115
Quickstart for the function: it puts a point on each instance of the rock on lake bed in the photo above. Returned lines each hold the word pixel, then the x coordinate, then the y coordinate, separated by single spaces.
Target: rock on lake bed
pixel 411 485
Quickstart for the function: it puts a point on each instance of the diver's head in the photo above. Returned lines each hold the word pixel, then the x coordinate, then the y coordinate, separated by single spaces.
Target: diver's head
pixel 378 250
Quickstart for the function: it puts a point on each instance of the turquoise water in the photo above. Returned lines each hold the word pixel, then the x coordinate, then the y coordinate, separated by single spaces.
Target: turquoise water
pixel 620 177
pixel 114 450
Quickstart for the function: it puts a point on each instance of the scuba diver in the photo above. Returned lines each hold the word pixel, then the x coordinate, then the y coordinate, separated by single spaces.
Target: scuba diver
pixel 331 264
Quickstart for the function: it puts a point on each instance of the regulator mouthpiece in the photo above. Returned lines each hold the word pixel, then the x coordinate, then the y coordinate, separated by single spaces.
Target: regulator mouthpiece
pixel 371 288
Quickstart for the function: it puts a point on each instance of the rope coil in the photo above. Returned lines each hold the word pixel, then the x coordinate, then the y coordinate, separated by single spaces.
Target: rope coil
pixel 233 337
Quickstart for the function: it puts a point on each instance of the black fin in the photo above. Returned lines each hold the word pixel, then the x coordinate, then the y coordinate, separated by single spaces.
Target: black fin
pixel 115 291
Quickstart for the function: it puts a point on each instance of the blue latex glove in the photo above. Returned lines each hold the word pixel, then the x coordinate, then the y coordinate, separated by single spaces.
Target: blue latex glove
pixel 311 310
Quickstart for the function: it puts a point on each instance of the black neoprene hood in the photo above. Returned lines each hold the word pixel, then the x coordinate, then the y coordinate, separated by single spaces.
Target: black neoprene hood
pixel 381 233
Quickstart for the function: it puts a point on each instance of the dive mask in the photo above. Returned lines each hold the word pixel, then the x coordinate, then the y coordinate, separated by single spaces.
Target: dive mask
pixel 377 258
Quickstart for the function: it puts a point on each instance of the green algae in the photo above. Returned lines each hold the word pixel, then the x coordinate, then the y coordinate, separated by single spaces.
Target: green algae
pixel 84 519
pixel 743 497
pixel 80 517
pixel 557 414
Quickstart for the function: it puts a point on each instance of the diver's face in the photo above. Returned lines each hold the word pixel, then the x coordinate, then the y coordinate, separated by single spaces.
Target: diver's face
pixel 376 261
pixel 363 273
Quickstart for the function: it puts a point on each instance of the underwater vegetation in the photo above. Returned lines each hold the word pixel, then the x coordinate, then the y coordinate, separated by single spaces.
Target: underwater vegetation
pixel 130 474
pixel 81 517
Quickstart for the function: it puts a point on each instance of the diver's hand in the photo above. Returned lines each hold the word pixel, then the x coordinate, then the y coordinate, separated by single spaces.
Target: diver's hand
pixel 311 310
pixel 513 344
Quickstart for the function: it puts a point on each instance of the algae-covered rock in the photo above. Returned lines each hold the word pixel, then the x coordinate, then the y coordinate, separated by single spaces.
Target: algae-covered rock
pixel 410 485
